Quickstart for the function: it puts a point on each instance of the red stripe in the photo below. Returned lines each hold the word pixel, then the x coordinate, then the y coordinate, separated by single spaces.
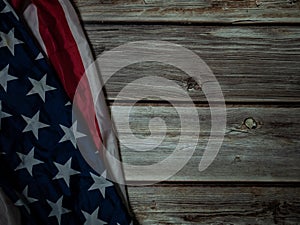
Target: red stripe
pixel 61 46
pixel 65 57
pixel 20 5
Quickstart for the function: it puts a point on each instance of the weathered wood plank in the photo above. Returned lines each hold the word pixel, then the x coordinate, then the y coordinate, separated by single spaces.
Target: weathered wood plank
pixel 191 11
pixel 270 152
pixel 252 64
pixel 194 204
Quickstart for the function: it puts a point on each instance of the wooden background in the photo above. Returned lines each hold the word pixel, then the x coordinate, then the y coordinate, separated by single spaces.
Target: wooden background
pixel 253 48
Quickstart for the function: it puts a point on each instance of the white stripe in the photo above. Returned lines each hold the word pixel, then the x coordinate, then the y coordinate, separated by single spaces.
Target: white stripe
pixel 106 126
pixel 30 14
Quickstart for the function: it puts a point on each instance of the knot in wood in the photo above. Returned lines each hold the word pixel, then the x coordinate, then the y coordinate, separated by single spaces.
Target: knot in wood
pixel 250 123
pixel 191 84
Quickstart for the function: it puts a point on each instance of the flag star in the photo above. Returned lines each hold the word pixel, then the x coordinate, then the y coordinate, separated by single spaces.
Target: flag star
pixel 57 209
pixel 68 103
pixel 29 199
pixel 39 56
pixel 6 9
pixel 3 114
pixel 28 161
pixel 33 124
pixel 26 199
pixel 22 202
pixel 100 182
pixel 65 171
pixel 40 87
pixel 9 41
pixel 92 219
pixel 71 134
pixel 5 77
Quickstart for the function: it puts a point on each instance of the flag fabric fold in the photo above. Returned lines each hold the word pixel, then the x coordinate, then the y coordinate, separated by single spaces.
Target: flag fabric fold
pixel 42 172
pixel 57 28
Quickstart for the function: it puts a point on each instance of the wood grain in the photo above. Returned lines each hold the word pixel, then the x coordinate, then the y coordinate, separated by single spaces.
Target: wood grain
pixel 270 152
pixel 252 64
pixel 255 177
pixel 197 204
pixel 191 11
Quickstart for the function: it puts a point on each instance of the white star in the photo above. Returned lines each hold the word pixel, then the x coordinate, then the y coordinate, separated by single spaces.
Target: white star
pixel 33 124
pixel 6 9
pixel 57 209
pixel 9 41
pixel 68 103
pixel 71 134
pixel 26 199
pixel 100 183
pixel 29 199
pixel 22 202
pixel 5 77
pixel 92 219
pixel 65 171
pixel 3 114
pixel 40 87
pixel 28 161
pixel 39 56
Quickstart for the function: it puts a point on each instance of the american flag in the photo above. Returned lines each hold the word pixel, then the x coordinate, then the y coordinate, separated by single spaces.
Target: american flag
pixel 44 177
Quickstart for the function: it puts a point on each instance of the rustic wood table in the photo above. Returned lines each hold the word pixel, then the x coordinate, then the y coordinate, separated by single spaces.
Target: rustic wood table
pixel 253 49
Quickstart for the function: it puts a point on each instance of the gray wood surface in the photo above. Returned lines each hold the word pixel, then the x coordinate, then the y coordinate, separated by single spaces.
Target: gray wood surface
pixel 190 11
pixel 196 204
pixel 253 48
pixel 270 152
pixel 252 64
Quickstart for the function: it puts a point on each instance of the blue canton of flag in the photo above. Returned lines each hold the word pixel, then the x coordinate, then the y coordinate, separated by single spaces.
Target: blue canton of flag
pixel 41 170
